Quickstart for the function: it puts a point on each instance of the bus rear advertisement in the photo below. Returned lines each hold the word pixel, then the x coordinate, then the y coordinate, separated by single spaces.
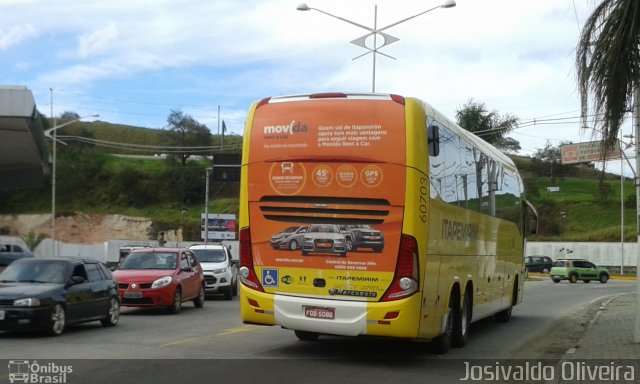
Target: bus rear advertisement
pixel 350 226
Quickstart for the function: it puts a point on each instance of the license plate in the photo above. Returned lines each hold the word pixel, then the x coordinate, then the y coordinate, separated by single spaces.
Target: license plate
pixel 320 312
pixel 323 245
pixel 1 315
pixel 133 295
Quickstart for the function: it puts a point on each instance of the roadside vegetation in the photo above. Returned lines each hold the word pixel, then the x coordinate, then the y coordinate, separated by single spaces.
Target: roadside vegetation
pixel 169 187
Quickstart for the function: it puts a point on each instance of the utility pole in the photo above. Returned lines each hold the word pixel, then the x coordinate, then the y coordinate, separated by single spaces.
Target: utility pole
pixel 53 183
pixel 206 205
pixel 220 131
pixel 636 115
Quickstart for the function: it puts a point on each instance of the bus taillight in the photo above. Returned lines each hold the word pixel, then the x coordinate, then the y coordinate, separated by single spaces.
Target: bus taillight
pixel 405 281
pixel 247 273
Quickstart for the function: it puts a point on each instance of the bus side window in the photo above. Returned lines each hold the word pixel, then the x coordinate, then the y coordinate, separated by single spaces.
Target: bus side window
pixel 433 134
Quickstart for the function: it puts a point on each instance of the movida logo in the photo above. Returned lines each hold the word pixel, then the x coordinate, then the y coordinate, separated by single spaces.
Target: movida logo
pixel 285 129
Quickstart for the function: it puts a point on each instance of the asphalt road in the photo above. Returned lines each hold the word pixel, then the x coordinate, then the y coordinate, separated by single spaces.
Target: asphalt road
pixel 211 343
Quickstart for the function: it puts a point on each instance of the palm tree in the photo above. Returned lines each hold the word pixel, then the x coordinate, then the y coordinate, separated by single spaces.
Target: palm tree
pixel 491 126
pixel 608 65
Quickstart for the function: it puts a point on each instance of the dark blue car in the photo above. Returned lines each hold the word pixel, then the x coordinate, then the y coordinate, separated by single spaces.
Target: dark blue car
pixel 49 294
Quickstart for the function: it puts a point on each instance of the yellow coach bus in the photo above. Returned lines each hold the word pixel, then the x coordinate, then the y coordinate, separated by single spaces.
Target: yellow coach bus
pixel 373 214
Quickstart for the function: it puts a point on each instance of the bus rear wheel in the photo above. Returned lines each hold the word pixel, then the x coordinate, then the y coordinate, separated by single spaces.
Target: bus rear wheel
pixel 462 321
pixel 442 343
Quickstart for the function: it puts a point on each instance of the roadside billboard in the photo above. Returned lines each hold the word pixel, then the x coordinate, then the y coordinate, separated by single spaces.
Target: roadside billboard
pixel 586 152
pixel 220 226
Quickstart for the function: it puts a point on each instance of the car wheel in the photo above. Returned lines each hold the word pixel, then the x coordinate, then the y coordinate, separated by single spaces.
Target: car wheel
pixel 228 293
pixel 177 302
pixel 442 343
pixel 198 302
pixel 378 249
pixel 461 326
pixel 307 336
pixel 556 280
pixel 604 278
pixel 113 313
pixel 305 253
pixel 343 254
pixel 573 278
pixel 234 286
pixel 293 245
pixel 349 244
pixel 586 281
pixel 58 320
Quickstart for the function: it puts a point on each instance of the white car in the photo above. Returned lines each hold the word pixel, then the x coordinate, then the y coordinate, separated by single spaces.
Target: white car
pixel 324 238
pixel 219 269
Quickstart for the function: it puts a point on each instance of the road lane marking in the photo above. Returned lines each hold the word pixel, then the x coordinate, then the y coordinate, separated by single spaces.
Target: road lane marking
pixel 230 331
pixel 244 328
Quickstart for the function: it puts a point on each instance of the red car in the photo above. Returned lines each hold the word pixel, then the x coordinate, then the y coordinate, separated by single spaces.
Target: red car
pixel 160 277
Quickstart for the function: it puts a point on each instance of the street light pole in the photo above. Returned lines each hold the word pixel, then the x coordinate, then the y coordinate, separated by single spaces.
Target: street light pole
pixel 48 133
pixel 375 31
pixel 206 205
pixel 53 183
pixel 636 115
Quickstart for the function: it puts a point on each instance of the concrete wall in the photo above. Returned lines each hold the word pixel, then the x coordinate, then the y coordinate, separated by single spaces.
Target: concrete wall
pixel 613 255
pixel 109 251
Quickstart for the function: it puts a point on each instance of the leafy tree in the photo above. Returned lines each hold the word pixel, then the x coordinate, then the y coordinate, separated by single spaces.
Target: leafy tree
pixel 603 193
pixel 491 126
pixel 508 144
pixel 68 116
pixel 184 132
pixel 32 240
pixel 608 64
pixel 548 161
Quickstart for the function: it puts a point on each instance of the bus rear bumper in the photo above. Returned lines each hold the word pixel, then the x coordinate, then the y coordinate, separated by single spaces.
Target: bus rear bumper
pixel 400 318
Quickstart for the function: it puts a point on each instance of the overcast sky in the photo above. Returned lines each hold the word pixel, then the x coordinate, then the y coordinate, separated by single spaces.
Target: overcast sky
pixel 134 61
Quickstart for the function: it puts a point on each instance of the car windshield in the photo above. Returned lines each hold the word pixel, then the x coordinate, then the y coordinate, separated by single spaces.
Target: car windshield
pixel 150 260
pixel 36 271
pixel 210 255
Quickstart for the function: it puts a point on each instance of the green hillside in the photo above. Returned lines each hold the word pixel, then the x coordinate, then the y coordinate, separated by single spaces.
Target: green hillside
pixel 585 208
pixel 91 180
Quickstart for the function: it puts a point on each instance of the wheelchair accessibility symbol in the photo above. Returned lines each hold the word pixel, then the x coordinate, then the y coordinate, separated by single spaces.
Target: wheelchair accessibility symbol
pixel 270 277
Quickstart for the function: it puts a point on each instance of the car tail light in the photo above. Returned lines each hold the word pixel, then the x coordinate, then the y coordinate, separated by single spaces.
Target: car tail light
pixel 247 273
pixel 405 280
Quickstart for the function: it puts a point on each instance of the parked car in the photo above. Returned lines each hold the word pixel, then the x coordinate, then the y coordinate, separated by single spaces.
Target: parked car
pixel 577 269
pixel 538 263
pixel 160 277
pixel 363 236
pixel 53 293
pixel 290 238
pixel 219 269
pixel 12 252
pixel 324 238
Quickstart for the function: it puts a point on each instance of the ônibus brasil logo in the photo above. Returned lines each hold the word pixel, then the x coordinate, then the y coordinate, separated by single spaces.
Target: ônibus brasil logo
pixel 24 371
